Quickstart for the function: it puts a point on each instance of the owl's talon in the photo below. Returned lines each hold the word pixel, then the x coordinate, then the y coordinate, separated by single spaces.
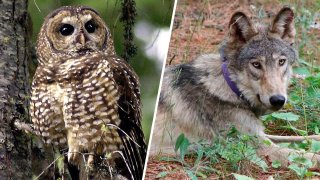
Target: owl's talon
pixel 90 161
pixel 73 157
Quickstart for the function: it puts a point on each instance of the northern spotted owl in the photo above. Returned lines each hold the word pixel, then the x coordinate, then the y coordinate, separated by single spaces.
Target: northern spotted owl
pixel 84 97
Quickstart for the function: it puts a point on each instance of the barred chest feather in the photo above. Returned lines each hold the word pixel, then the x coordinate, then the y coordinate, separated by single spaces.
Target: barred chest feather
pixel 84 95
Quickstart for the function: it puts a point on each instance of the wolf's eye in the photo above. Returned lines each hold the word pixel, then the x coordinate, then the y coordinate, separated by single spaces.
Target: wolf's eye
pixel 256 65
pixel 282 61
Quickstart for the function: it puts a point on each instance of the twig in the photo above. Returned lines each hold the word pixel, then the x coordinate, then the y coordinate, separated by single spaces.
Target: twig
pixel 292 138
pixel 52 163
pixel 124 159
pixel 34 1
pixel 172 59
pixel 28 128
pixel 124 133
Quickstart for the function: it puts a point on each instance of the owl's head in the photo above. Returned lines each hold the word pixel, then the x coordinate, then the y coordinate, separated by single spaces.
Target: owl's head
pixel 72 31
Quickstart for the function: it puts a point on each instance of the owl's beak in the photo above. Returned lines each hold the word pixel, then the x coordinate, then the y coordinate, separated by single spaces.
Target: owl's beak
pixel 82 39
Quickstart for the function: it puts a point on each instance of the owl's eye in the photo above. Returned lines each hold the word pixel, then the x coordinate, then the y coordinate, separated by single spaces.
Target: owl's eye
pixel 90 27
pixel 66 29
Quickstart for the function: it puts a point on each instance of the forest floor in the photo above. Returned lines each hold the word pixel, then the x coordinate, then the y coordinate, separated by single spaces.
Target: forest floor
pixel 199 27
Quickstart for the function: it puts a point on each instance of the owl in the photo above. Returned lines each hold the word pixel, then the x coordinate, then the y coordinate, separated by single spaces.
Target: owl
pixel 84 97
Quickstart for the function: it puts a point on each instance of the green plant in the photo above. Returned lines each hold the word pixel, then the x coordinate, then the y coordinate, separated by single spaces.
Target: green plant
pixel 241 177
pixel 234 148
pixel 300 165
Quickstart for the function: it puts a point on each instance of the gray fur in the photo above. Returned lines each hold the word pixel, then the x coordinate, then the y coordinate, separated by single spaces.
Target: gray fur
pixel 265 47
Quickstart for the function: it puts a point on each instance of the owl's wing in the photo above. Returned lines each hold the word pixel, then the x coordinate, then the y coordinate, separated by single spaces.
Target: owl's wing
pixel 46 109
pixel 130 114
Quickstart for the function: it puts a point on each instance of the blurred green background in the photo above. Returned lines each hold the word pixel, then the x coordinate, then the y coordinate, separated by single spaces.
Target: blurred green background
pixel 152 30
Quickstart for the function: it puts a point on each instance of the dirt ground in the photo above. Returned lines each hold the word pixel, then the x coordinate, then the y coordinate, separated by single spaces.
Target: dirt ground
pixel 199 27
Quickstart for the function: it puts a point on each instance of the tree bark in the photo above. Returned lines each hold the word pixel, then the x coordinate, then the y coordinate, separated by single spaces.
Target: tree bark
pixel 15 145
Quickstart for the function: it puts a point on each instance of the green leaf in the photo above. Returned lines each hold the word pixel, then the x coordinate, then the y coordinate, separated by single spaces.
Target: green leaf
pixel 300 171
pixel 162 174
pixel 104 128
pixel 315 146
pixel 179 142
pixel 314 174
pixel 184 148
pixel 59 162
pixel 266 117
pixel 191 175
pixel 276 164
pixel 299 159
pixel 203 176
pixel 299 131
pixel 212 170
pixel 302 71
pixel 284 145
pixel 169 159
pixel 241 177
pixel 286 116
pixel 310 174
pixel 254 158
pixel 199 154
pixel 245 137
pixel 267 142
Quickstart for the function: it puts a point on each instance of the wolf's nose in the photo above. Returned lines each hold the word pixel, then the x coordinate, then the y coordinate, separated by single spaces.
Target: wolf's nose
pixel 277 101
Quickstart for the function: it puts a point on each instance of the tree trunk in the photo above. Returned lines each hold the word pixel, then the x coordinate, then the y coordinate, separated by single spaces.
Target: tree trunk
pixel 15 145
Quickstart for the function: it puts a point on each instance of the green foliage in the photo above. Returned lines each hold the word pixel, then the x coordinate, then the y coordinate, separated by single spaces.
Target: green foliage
pixel 305 99
pixel 300 165
pixel 234 148
pixel 182 145
pixel 239 147
pixel 289 116
pixel 191 174
pixel 241 177
pixel 315 146
pixel 162 174
pixel 276 164
pixel 59 162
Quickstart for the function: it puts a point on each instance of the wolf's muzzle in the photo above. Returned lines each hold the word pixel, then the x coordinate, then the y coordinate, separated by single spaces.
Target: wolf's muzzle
pixel 277 101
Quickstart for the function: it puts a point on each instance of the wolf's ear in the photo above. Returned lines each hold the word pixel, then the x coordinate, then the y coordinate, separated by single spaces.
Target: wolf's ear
pixel 240 27
pixel 283 25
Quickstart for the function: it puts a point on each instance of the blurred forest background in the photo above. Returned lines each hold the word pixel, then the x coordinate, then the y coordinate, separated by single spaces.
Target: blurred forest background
pixel 152 33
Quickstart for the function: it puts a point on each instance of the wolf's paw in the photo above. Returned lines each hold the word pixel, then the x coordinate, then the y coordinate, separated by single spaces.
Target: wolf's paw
pixel 315 158
pixel 276 153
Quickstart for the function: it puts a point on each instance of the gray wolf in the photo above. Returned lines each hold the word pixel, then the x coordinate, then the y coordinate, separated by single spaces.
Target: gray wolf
pixel 213 93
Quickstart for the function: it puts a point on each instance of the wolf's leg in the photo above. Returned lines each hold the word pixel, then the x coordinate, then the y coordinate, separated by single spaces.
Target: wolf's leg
pixel 278 139
pixel 167 130
pixel 275 152
pixel 163 137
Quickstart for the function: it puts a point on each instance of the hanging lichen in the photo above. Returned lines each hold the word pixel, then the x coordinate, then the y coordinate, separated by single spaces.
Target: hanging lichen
pixel 128 15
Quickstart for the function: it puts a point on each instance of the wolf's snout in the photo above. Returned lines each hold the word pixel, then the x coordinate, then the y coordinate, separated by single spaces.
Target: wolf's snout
pixel 277 101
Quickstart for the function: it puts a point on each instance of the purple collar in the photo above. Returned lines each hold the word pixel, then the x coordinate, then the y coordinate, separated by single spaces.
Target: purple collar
pixel 231 84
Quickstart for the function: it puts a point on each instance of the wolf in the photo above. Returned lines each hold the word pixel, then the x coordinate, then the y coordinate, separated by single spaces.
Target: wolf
pixel 247 79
